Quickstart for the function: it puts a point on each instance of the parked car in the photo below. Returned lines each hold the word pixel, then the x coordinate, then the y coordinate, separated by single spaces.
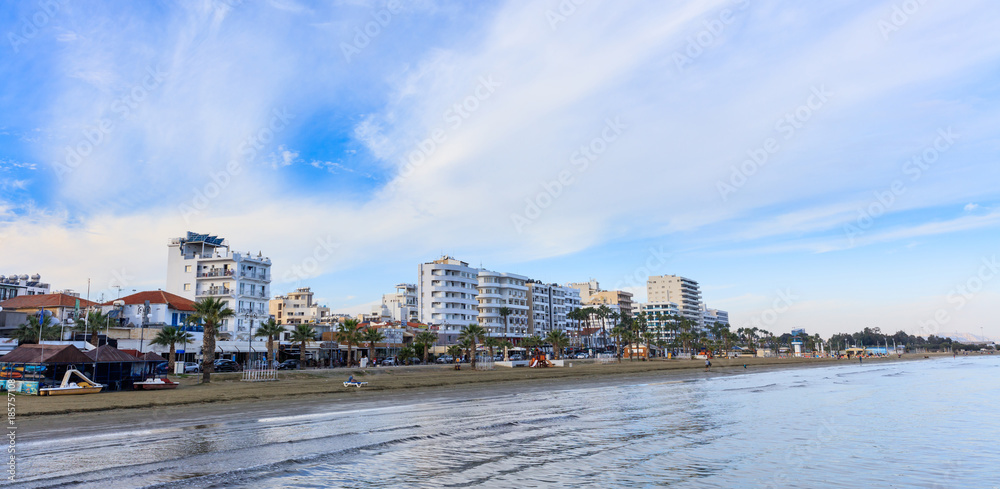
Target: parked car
pixel 582 354
pixel 416 361
pixel 162 368
pixel 290 364
pixel 517 357
pixel 223 365
pixel 445 359
pixel 388 362
pixel 191 368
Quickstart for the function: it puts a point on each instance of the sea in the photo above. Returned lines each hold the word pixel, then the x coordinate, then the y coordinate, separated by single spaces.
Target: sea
pixel 907 424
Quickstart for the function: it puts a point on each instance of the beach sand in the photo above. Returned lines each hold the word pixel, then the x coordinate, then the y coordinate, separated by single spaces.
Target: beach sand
pixel 383 381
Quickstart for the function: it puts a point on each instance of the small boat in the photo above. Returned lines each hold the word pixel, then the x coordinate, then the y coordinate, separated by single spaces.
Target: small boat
pixel 85 386
pixel 354 383
pixel 156 384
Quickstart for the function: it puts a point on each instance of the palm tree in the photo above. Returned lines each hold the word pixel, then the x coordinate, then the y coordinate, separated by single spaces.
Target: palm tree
pixel 303 333
pixel 93 323
pixel 211 312
pixel 349 332
pixel 425 339
pixel 618 332
pixel 604 312
pixel 455 351
pixel 272 330
pixel 28 332
pixel 491 342
pixel 372 336
pixel 472 335
pixel 558 340
pixel 406 353
pixel 169 336
pixel 504 313
pixel 648 337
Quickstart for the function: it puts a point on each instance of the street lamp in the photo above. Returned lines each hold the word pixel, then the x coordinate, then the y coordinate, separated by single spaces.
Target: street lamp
pixel 250 315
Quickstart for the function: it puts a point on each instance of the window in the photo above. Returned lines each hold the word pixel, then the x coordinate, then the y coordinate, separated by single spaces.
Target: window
pixel 187 286
pixel 187 268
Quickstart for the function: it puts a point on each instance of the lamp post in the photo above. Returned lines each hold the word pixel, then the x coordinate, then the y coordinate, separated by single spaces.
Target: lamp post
pixel 250 315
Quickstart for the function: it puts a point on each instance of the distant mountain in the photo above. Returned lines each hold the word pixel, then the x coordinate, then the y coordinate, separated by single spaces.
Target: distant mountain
pixel 966 337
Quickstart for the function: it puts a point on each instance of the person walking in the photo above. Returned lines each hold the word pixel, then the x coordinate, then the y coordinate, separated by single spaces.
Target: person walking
pixel 707 364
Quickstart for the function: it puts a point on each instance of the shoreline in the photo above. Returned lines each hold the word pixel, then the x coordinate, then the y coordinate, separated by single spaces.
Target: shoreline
pixel 226 389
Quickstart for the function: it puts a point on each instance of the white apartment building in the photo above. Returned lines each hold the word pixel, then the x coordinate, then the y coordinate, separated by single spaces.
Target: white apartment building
pixel 165 309
pixel 658 316
pixel 298 308
pixel 446 296
pixel 549 306
pixel 201 265
pixel 402 304
pixel 497 290
pixel 712 316
pixel 682 291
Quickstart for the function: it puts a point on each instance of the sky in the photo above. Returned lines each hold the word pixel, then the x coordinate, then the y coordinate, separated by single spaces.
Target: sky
pixel 827 166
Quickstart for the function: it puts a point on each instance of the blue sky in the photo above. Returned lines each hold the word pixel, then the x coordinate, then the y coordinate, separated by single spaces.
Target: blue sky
pixel 840 154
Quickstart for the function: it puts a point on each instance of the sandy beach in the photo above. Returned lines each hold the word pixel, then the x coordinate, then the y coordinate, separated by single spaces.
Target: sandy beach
pixel 384 381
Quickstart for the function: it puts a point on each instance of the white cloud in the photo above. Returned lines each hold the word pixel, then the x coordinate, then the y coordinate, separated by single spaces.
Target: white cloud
pixel 971 207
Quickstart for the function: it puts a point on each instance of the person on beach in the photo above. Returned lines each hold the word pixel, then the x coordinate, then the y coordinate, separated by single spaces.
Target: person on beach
pixel 707 364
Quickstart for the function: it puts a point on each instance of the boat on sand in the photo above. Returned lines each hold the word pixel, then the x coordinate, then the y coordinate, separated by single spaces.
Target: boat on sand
pixel 84 386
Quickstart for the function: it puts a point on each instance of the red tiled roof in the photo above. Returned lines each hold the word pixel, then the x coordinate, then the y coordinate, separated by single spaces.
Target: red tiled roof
pixel 44 300
pixel 173 301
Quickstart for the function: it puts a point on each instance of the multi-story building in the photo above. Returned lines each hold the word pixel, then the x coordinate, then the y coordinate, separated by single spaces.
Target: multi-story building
pixel 446 296
pixel 549 305
pixel 659 318
pixel 682 291
pixel 497 290
pixel 402 305
pixel 201 265
pixel 712 316
pixel 618 298
pixel 586 289
pixel 14 285
pixel 298 308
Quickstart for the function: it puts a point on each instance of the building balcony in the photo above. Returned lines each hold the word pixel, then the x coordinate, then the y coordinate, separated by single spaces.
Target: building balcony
pixel 263 277
pixel 215 292
pixel 218 272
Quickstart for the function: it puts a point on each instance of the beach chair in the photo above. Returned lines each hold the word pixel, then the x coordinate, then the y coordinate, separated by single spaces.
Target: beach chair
pixel 354 383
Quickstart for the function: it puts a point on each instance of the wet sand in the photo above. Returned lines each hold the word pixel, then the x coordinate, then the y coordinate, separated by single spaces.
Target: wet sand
pixel 387 382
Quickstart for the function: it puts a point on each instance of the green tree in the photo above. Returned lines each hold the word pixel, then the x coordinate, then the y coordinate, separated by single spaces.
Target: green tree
pixel 28 332
pixel 558 340
pixel 169 336
pixel 425 339
pixel 455 351
pixel 492 343
pixel 406 353
pixel 212 312
pixel 349 332
pixel 303 333
pixel 472 334
pixel 272 330
pixel 372 336
pixel 93 323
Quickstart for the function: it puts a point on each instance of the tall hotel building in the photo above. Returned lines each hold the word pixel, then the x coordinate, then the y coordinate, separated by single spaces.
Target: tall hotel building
pixel 446 294
pixel 682 291
pixel 200 266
